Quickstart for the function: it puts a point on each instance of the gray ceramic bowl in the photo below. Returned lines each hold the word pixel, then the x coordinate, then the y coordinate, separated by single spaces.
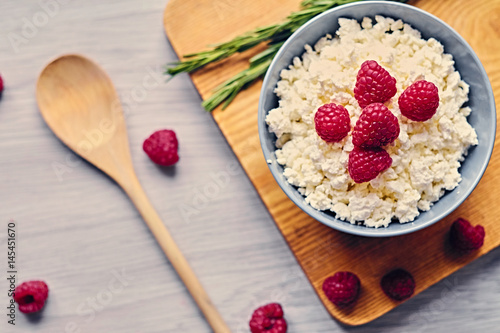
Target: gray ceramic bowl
pixel 482 118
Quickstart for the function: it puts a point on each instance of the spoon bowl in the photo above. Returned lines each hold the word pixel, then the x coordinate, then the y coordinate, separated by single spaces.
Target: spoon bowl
pixel 80 105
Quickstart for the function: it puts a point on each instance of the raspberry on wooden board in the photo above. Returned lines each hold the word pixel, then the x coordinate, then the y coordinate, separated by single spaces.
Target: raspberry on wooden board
pixel 465 237
pixel 398 284
pixel 342 288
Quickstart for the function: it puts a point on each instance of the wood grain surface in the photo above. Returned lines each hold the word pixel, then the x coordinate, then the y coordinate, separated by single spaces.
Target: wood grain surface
pixel 320 250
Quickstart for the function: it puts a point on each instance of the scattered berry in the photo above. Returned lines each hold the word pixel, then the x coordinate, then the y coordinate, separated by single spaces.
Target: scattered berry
pixel 398 284
pixel 367 163
pixel 373 84
pixel 161 147
pixel 31 296
pixel 376 127
pixel 268 319
pixel 419 101
pixel 332 122
pixel 465 237
pixel 342 289
pixel 1 85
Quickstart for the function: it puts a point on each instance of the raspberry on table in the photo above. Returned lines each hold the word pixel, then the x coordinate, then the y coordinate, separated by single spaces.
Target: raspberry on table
pixel 161 147
pixel 376 127
pixel 31 296
pixel 268 319
pixel 398 284
pixel 367 163
pixel 332 122
pixel 374 84
pixel 342 288
pixel 419 101
pixel 465 237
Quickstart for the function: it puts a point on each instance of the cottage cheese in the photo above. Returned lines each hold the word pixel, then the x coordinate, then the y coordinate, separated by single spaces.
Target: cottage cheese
pixel 426 156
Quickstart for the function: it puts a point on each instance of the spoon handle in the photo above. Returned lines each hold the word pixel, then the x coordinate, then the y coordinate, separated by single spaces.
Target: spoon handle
pixel 136 193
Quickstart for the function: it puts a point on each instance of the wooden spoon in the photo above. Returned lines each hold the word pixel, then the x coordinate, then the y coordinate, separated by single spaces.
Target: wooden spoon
pixel 79 103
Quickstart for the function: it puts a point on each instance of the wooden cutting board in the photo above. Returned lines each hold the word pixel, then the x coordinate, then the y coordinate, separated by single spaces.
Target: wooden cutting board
pixel 321 251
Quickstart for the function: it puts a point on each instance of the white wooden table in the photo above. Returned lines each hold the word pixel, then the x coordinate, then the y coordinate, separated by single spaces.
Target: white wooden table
pixel 76 230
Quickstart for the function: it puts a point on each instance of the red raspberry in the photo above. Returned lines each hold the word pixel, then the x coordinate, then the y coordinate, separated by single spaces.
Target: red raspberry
pixel 367 163
pixel 465 237
pixel 419 101
pixel 268 319
pixel 161 147
pixel 342 289
pixel 1 85
pixel 332 122
pixel 376 127
pixel 31 296
pixel 373 84
pixel 398 284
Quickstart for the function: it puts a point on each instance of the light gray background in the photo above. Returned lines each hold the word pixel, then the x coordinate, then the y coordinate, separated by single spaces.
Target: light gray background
pixel 77 230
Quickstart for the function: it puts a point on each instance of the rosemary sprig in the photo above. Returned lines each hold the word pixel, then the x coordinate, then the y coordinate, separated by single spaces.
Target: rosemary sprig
pixel 228 90
pixel 274 34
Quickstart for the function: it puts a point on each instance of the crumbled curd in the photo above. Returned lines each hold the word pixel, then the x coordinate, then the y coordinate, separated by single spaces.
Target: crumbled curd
pixel 426 156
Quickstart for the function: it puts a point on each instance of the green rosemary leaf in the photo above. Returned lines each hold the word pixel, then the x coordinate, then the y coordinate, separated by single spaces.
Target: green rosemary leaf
pixel 228 90
pixel 268 53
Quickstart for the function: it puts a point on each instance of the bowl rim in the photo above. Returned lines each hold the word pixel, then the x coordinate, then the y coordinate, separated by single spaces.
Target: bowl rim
pixel 346 226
